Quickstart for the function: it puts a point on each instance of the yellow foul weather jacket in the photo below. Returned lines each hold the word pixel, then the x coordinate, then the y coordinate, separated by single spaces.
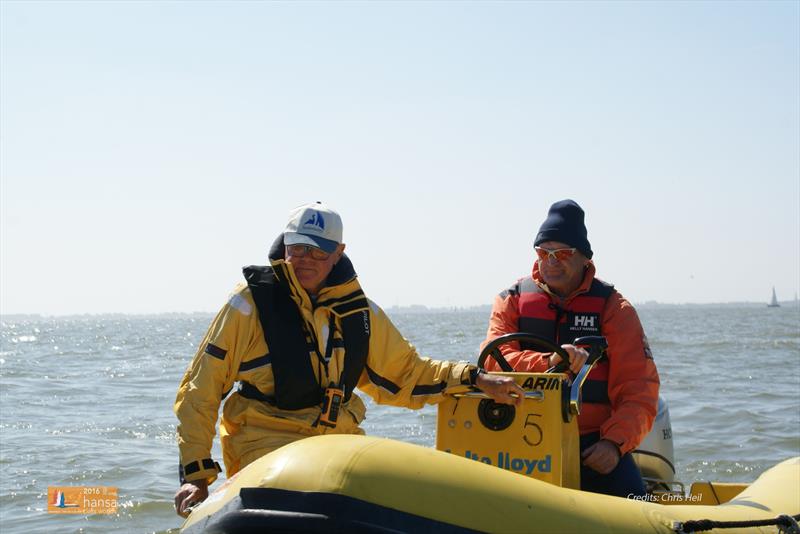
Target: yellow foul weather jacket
pixel 234 351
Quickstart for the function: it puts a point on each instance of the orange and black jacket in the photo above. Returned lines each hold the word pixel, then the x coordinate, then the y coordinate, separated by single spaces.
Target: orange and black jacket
pixel 621 393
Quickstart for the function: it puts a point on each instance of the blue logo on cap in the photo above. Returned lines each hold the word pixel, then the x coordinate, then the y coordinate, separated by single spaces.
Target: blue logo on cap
pixel 316 220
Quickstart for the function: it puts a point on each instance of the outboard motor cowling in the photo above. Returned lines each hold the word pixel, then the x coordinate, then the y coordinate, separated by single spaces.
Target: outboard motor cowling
pixel 655 455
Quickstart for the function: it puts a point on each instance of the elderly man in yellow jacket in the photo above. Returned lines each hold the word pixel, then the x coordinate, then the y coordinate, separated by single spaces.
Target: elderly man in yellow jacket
pixel 299 336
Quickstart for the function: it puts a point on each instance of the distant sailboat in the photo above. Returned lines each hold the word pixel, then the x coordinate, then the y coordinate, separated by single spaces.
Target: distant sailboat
pixel 774 302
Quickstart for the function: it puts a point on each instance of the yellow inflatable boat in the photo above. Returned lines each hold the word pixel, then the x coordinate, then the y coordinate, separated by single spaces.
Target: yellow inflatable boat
pixel 353 484
pixel 339 483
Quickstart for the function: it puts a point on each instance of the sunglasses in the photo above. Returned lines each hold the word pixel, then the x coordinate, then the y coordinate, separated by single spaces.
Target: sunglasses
pixel 559 254
pixel 298 251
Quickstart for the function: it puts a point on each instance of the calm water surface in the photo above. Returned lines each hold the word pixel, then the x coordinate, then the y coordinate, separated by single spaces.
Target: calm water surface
pixel 88 401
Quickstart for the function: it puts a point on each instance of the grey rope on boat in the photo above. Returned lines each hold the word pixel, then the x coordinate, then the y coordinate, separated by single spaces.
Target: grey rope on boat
pixel 785 523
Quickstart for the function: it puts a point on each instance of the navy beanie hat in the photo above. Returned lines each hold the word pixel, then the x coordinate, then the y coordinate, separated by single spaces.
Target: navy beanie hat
pixel 564 223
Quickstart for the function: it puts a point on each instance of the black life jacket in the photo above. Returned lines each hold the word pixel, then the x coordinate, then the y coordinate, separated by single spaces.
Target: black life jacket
pixel 296 385
pixel 539 315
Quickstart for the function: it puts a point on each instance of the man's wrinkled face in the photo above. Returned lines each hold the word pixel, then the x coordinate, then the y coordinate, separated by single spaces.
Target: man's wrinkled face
pixel 312 265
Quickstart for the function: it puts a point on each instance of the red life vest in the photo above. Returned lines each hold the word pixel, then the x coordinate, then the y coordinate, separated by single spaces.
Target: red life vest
pixel 539 315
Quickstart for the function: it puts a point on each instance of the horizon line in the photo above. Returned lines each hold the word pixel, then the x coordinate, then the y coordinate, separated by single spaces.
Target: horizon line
pixel 395 307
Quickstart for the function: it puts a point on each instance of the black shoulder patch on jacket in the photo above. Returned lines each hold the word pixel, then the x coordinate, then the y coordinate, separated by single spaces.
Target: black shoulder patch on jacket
pixel 215 351
pixel 511 291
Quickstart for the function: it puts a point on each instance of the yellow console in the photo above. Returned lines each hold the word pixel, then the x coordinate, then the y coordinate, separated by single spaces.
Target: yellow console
pixel 540 438
pixel 533 440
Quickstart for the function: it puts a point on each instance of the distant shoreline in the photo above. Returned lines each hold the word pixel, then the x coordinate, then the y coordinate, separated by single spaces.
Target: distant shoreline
pixel 412 309
pixel 419 308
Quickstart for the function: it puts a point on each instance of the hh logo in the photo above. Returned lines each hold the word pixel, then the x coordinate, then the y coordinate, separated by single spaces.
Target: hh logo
pixel 81 500
pixel 315 220
pixel 585 321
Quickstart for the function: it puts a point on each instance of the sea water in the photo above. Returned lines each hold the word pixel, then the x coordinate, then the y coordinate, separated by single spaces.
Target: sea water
pixel 87 401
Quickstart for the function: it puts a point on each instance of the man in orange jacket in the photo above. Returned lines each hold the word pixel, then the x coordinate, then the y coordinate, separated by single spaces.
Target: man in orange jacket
pixel 561 301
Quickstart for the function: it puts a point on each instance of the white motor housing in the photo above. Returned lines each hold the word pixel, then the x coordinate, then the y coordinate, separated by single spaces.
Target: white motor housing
pixel 655 455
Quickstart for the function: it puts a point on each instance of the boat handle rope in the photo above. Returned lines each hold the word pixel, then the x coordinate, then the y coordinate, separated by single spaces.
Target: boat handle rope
pixel 785 523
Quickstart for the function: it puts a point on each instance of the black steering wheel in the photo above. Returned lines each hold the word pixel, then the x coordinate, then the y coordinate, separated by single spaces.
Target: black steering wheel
pixel 539 343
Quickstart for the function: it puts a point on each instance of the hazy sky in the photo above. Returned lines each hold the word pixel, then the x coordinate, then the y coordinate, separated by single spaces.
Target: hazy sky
pixel 150 149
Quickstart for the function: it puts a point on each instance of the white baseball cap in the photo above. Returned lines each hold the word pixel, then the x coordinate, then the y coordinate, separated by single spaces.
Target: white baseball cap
pixel 314 224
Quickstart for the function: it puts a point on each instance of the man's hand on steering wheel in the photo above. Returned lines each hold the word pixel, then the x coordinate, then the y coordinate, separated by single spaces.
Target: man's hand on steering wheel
pixel 577 357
